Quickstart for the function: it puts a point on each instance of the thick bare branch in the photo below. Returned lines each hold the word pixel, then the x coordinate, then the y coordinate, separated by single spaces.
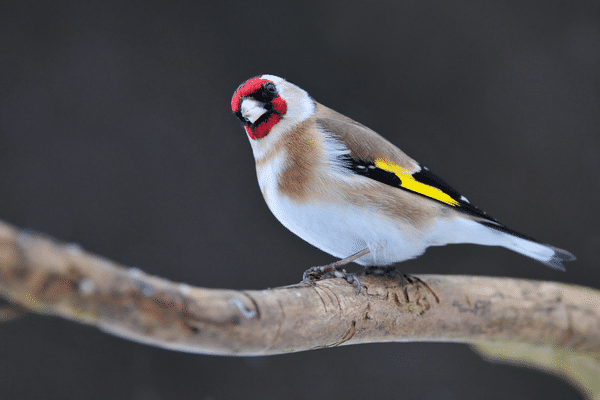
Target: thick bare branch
pixel 45 277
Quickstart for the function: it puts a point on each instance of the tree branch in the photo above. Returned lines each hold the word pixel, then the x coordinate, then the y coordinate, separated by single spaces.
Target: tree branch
pixel 497 314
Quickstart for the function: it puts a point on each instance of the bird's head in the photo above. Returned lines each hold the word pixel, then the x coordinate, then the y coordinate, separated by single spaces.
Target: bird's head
pixel 267 103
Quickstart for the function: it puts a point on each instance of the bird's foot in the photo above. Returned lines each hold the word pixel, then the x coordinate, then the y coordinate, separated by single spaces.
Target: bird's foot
pixel 334 270
pixel 330 271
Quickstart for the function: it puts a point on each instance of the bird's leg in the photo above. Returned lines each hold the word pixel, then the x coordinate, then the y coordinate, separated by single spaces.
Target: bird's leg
pixel 333 270
pixel 320 271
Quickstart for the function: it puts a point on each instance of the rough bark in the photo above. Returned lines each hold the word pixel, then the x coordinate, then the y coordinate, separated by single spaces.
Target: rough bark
pixel 498 315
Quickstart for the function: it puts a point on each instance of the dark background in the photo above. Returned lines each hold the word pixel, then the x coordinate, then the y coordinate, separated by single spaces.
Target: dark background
pixel 116 133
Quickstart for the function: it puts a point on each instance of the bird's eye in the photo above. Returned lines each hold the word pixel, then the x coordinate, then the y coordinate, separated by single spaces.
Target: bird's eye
pixel 269 91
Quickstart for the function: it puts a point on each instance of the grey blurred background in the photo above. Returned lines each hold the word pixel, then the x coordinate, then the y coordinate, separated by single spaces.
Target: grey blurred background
pixel 116 133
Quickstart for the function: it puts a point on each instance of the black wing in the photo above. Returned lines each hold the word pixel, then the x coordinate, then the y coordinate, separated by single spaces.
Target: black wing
pixel 423 183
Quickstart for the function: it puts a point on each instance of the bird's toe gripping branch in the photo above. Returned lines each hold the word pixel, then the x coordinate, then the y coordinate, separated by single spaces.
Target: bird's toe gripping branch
pixel 334 270
pixel 330 271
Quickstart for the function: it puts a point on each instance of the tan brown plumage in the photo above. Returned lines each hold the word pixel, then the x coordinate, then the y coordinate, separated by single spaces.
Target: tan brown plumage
pixel 363 142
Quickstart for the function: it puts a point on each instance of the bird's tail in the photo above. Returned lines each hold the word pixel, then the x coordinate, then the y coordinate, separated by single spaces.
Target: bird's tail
pixel 544 253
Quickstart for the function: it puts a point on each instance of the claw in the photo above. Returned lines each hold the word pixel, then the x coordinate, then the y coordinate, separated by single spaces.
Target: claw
pixel 351 278
pixel 326 271
pixel 314 273
pixel 333 270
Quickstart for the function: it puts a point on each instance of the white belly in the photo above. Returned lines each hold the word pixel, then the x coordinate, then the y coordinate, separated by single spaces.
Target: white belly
pixel 343 231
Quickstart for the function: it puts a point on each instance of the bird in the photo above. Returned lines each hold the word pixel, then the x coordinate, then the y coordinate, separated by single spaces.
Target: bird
pixel 348 191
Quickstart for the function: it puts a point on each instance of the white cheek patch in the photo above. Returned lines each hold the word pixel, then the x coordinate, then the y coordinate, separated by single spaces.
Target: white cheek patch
pixel 252 109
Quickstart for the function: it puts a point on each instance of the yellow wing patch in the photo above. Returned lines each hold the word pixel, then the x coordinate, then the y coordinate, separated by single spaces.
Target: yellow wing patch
pixel 409 183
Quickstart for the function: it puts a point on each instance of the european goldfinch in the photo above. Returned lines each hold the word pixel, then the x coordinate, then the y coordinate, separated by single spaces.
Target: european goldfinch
pixel 349 192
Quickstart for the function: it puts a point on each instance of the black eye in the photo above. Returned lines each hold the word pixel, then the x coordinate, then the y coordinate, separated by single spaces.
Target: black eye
pixel 269 91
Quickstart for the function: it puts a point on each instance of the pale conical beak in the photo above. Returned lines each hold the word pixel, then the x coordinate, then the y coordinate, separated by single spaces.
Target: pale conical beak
pixel 252 110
